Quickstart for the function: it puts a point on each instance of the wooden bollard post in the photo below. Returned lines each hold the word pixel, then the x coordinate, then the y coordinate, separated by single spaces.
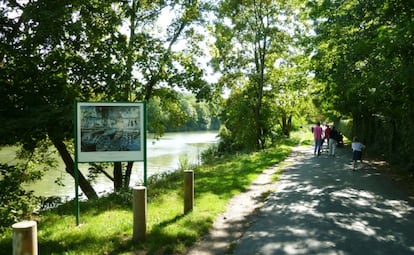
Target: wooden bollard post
pixel 188 191
pixel 140 213
pixel 25 238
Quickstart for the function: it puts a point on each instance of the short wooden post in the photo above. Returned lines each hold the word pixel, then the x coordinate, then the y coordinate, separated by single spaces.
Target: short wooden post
pixel 25 238
pixel 188 191
pixel 140 213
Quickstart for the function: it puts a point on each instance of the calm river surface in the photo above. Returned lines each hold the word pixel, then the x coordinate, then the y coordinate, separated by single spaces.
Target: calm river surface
pixel 163 155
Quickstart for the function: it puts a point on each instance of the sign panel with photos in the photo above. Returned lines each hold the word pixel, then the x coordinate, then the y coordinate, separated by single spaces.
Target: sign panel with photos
pixel 110 132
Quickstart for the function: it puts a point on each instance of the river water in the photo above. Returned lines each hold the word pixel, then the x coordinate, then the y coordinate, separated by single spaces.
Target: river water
pixel 163 155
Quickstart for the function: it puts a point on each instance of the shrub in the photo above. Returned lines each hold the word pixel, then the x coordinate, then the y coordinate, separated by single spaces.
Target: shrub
pixel 16 203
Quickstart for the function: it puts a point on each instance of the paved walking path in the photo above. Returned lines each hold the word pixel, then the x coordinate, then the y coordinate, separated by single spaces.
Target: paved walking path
pixel 321 206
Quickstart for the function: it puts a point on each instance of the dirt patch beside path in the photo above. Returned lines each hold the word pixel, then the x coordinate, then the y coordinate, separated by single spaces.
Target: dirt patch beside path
pixel 402 177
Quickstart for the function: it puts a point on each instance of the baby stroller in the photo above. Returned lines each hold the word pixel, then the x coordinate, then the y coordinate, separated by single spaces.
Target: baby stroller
pixel 325 146
pixel 340 140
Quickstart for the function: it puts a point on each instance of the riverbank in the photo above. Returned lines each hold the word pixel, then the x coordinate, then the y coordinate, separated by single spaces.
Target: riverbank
pixel 169 231
pixel 164 155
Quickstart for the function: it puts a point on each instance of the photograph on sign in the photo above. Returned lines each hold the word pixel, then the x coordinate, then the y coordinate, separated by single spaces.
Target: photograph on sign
pixel 109 132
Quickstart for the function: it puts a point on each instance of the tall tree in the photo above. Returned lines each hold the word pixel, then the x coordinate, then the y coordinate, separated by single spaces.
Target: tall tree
pixel 250 36
pixel 152 67
pixel 292 94
pixel 56 52
pixel 49 59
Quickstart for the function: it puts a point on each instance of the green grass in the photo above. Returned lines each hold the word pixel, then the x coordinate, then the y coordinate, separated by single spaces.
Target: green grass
pixel 107 222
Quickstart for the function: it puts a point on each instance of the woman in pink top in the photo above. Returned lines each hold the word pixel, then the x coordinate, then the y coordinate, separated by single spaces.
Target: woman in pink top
pixel 317 135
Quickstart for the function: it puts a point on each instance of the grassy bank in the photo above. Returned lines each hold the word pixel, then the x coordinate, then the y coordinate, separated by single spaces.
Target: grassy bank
pixel 107 222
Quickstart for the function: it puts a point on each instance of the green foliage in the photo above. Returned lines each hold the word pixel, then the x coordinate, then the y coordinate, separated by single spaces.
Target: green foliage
pixel 185 164
pixel 209 154
pixel 363 56
pixel 239 132
pixel 345 126
pixel 16 203
pixel 56 52
pixel 279 108
pixel 185 113
pixel 359 57
pixel 227 142
pixel 21 167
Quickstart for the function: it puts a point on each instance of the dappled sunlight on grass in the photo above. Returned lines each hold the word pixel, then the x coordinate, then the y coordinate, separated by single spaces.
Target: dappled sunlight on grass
pixel 106 223
pixel 102 231
pixel 224 177
pixel 164 211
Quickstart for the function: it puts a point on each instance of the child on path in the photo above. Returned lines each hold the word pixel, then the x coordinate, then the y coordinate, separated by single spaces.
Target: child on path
pixel 357 148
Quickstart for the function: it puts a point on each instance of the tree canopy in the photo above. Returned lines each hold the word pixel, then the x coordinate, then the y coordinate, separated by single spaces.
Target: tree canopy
pixel 363 55
pixel 255 40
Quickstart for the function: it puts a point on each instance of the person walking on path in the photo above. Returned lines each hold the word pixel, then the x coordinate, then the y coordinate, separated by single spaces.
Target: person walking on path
pixel 357 148
pixel 333 141
pixel 326 136
pixel 317 135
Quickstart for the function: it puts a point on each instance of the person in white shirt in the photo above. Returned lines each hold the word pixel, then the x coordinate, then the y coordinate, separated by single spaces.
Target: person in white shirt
pixel 357 148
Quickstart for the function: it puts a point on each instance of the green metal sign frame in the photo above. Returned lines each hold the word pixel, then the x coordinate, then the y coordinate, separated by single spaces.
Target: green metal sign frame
pixel 108 132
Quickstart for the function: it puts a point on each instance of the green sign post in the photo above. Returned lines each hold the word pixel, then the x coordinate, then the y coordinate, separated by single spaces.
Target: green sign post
pixel 109 132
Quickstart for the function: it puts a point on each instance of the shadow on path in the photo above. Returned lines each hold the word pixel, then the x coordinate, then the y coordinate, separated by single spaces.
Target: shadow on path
pixel 321 206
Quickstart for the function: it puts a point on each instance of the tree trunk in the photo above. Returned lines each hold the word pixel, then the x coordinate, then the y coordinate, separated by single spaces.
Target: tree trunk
pixel 286 124
pixel 283 124
pixel 128 172
pixel 85 186
pixel 289 126
pixel 117 176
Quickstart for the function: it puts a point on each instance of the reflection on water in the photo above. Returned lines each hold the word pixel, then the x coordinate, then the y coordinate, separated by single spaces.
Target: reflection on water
pixel 162 156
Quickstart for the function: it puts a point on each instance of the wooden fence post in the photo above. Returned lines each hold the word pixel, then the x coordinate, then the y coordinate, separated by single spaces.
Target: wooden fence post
pixel 140 213
pixel 25 238
pixel 188 191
